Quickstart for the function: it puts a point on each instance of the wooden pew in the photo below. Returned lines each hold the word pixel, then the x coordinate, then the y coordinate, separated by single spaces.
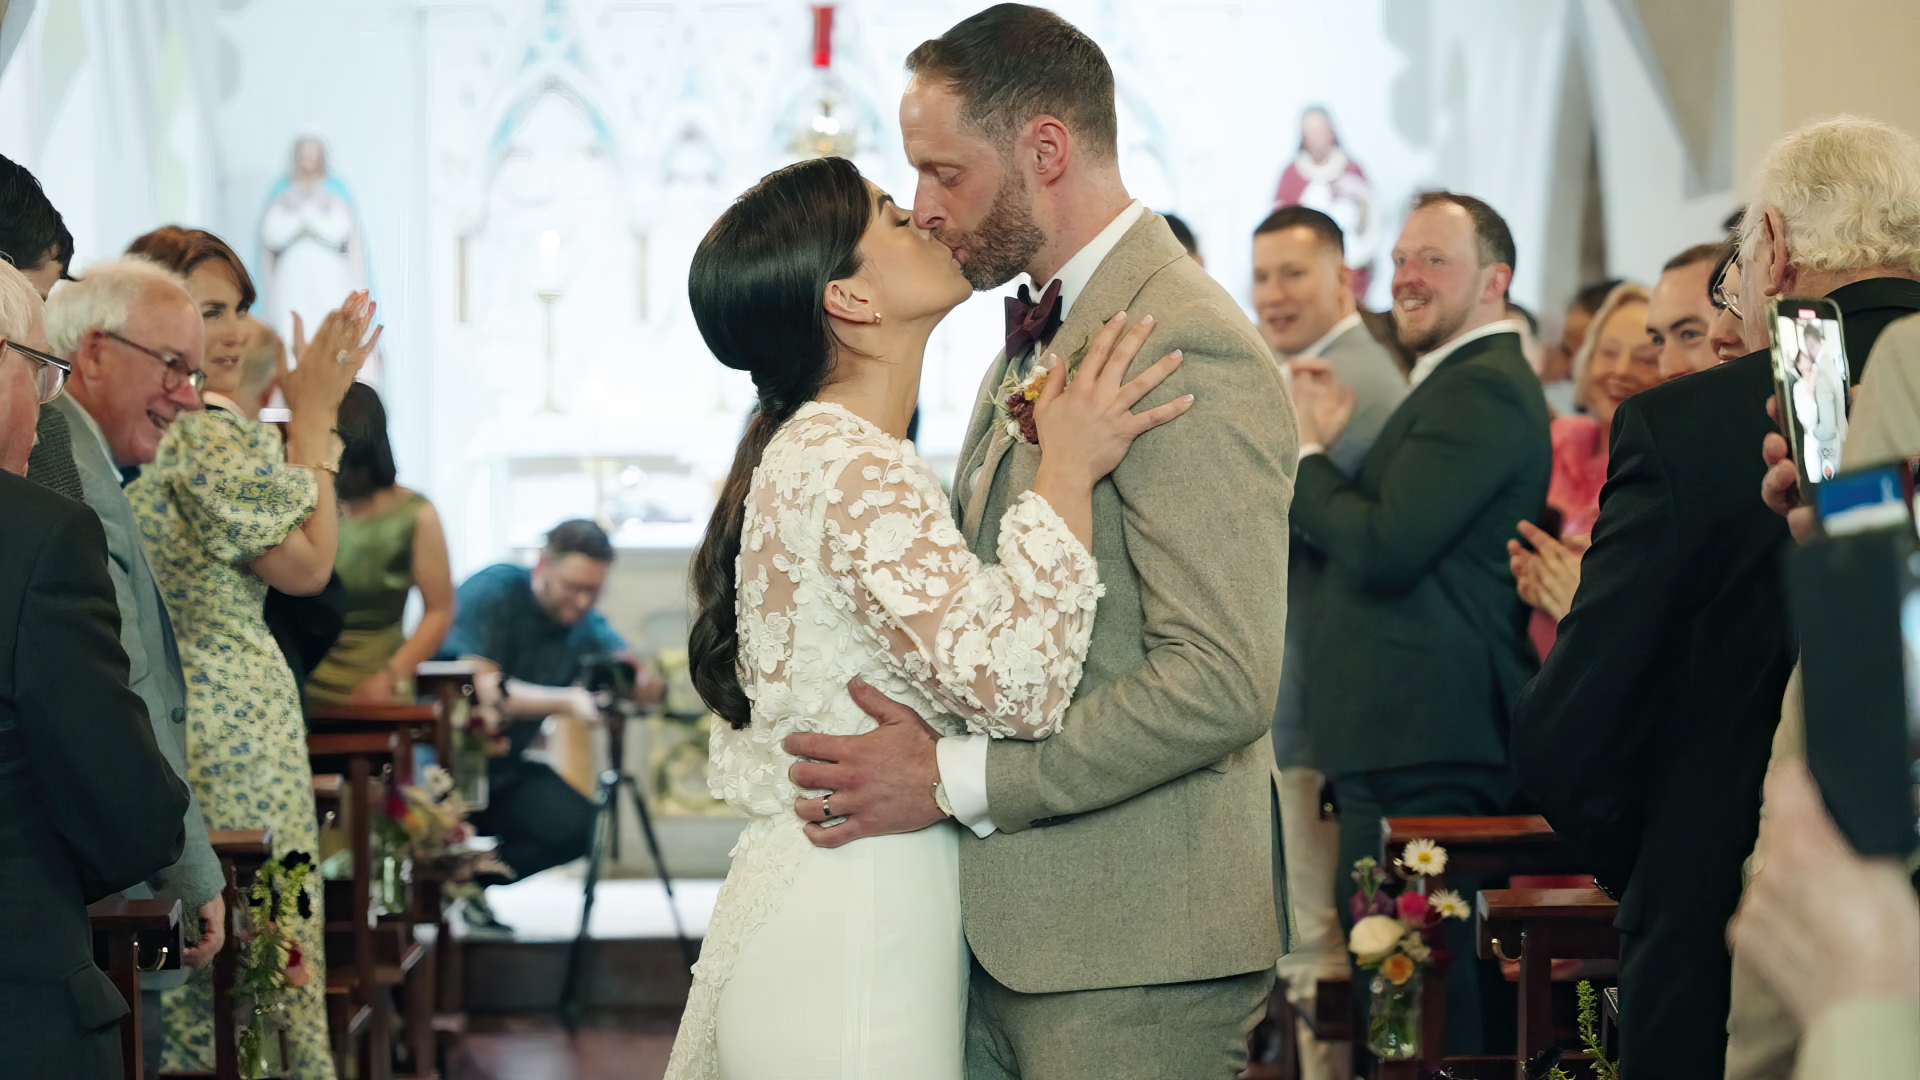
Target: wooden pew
pixel 411 725
pixel 1537 927
pixel 450 683
pixel 364 1009
pixel 1483 846
pixel 1477 847
pixel 121 928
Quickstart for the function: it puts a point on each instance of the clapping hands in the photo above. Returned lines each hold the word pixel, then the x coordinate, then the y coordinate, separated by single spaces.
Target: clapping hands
pixel 329 363
pixel 1324 405
pixel 1547 576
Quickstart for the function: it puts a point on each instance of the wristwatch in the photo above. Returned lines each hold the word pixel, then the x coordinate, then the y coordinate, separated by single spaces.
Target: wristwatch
pixel 940 799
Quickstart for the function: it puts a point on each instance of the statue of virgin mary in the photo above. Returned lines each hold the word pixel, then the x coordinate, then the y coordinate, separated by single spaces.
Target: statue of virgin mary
pixel 312 254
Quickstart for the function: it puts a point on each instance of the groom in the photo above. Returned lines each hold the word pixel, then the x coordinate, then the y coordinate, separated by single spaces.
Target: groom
pixel 1117 888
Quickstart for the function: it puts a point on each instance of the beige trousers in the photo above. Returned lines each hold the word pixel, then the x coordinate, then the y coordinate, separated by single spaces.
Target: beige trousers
pixel 1317 949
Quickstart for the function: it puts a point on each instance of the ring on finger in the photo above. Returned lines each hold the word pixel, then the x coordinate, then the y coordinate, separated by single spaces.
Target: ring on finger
pixel 825 810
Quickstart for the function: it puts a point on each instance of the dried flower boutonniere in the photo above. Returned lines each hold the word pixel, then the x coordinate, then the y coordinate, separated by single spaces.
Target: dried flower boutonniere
pixel 1013 404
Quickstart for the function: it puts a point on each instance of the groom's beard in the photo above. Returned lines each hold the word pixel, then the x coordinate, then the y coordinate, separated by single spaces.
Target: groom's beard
pixel 1004 244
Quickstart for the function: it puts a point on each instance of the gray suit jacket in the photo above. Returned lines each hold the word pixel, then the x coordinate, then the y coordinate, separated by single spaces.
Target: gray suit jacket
pixel 1360 362
pixel 147 635
pixel 1136 846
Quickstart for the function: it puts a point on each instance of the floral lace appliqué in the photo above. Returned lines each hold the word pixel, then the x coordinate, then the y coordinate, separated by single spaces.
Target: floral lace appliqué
pixel 851 565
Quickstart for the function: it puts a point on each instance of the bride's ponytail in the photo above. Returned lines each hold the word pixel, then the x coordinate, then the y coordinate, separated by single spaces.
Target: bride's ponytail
pixel 758 288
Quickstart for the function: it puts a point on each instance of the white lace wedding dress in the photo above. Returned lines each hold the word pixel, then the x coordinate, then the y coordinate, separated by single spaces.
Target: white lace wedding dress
pixel 850 963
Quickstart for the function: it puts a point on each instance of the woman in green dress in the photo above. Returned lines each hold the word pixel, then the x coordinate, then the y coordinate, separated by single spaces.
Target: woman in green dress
pixel 390 544
pixel 227 510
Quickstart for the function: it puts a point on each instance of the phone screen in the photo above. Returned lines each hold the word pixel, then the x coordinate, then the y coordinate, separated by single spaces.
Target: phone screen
pixel 1810 374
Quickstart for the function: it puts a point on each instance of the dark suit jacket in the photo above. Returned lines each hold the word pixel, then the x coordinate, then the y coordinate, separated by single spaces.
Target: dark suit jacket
pixel 88 805
pixel 1419 646
pixel 1646 735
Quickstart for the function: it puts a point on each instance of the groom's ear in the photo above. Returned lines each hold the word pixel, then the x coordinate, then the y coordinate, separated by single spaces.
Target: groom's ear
pixel 849 300
pixel 1049 146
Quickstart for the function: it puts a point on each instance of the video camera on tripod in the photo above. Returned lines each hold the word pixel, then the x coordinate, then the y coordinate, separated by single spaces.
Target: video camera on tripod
pixel 612 678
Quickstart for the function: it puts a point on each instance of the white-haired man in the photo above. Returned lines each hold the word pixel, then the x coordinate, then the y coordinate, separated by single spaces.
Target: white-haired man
pixel 134 338
pixel 1646 734
pixel 90 804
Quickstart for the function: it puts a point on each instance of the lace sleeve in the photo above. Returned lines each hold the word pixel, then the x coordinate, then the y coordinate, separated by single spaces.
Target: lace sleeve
pixel 1000 646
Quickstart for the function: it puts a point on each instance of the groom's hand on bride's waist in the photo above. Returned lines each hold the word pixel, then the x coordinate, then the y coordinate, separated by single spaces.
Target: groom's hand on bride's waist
pixel 881 782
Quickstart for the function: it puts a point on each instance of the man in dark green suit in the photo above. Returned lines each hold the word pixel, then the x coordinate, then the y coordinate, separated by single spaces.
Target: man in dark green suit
pixel 1420 647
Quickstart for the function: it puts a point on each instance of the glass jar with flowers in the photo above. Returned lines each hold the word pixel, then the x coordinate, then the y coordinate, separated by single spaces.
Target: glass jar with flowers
pixel 271 961
pixel 1398 938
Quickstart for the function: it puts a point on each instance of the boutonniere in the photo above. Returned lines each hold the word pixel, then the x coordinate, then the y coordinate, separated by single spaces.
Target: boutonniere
pixel 1013 402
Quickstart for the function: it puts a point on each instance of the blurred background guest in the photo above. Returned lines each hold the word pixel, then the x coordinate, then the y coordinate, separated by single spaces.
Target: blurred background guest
pixel 1556 357
pixel 34 238
pixel 1645 736
pixel 1616 361
pixel 88 803
pixel 1416 584
pixel 1322 177
pixel 390 544
pixel 1304 303
pixel 226 510
pixel 1680 311
pixel 536 626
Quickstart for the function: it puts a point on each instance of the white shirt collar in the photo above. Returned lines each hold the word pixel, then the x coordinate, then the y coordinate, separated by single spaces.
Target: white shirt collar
pixel 1333 333
pixel 1426 364
pixel 220 401
pixel 1073 276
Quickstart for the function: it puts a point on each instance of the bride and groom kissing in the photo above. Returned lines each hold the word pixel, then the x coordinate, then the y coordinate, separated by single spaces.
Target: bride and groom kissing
pixel 1075 658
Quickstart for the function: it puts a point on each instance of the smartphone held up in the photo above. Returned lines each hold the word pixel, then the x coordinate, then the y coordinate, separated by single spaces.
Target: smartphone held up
pixel 1810 379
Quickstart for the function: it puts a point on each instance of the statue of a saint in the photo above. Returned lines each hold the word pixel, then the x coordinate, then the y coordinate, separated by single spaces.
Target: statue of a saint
pixel 312 253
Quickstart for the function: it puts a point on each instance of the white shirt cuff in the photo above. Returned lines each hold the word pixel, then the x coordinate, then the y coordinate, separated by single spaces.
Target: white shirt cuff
pixel 1307 449
pixel 963 769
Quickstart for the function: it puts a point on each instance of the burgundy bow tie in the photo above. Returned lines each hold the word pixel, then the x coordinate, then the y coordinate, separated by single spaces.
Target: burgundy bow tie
pixel 1029 323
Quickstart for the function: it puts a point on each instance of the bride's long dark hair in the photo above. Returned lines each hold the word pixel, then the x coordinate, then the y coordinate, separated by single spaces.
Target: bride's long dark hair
pixel 758 287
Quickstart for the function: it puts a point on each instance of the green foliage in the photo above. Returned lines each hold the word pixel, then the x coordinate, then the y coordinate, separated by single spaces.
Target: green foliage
pixel 279 891
pixel 1589 1020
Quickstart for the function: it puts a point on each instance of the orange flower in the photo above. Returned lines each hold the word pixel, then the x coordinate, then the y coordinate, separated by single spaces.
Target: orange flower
pixel 1398 968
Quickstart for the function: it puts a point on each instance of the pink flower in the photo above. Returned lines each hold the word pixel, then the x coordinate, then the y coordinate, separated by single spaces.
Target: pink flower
pixel 1413 908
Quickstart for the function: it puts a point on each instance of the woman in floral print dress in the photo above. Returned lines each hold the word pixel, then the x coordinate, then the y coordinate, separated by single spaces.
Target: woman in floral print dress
pixel 226 510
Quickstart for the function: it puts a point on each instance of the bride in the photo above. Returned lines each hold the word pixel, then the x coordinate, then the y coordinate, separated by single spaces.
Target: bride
pixel 832 555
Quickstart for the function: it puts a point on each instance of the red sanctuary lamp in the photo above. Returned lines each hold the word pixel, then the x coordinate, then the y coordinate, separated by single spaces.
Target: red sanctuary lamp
pixel 825 124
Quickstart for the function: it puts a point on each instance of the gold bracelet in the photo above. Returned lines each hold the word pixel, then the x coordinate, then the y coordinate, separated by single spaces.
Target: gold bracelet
pixel 325 466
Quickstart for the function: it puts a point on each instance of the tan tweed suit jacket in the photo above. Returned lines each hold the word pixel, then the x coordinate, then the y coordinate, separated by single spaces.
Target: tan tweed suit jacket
pixel 1136 846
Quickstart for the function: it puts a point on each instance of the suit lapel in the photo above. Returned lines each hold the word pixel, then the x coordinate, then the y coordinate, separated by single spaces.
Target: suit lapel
pixel 976 444
pixel 1146 248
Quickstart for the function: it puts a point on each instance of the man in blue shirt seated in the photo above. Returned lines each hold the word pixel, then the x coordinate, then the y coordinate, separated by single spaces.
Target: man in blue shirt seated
pixel 536 626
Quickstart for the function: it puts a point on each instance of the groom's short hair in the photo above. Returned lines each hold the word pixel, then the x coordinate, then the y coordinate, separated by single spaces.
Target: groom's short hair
pixel 1011 63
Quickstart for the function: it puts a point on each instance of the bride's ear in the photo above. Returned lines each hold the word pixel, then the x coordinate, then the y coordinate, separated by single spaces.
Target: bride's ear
pixel 851 300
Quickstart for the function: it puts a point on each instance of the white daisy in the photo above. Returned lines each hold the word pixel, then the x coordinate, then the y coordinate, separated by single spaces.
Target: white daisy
pixel 1423 857
pixel 1447 904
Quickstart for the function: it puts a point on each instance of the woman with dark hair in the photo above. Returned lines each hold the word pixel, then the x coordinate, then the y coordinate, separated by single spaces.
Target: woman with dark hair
pixel 832 557
pixel 227 509
pixel 391 543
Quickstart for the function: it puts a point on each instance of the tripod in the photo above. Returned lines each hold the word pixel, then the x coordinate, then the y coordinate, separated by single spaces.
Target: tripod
pixel 606 835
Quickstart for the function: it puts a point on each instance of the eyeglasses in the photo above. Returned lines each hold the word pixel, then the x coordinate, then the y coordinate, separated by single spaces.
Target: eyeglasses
pixel 177 370
pixel 1725 299
pixel 49 371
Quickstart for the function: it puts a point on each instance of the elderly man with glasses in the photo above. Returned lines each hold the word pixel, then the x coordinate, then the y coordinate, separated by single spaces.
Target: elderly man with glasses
pixel 88 801
pixel 130 339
